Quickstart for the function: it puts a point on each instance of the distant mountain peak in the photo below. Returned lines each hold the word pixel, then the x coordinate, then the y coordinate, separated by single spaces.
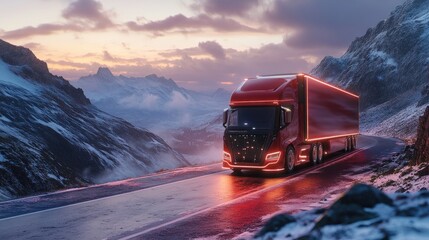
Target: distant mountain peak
pixel 104 72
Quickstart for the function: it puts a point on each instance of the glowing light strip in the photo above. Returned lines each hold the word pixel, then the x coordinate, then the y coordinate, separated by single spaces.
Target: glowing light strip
pixel 262 101
pixel 252 167
pixel 273 170
pixel 329 85
pixel 306 106
pixel 287 76
pixel 334 136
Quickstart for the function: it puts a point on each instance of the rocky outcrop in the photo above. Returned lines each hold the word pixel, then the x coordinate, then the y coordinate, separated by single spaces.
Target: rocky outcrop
pixel 351 206
pixel 421 153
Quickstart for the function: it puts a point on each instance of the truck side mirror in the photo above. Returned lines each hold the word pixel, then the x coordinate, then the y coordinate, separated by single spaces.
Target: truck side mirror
pixel 225 117
pixel 286 117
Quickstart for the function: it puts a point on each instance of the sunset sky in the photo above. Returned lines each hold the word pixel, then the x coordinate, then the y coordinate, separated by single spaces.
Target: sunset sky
pixel 201 45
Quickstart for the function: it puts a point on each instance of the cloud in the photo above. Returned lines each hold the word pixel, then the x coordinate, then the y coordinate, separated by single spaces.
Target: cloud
pixel 213 48
pixel 188 24
pixel 42 29
pixel 226 7
pixel 81 15
pixel 88 10
pixel 147 101
pixel 329 23
pixel 107 56
pixel 206 73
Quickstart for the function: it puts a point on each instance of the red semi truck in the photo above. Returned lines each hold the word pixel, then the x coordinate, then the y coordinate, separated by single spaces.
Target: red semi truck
pixel 276 122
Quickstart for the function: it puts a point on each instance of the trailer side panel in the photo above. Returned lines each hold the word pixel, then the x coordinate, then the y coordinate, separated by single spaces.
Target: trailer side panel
pixel 331 112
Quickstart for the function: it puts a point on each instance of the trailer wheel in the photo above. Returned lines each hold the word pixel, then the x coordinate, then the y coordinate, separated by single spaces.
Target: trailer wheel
pixel 313 154
pixel 290 159
pixel 319 152
pixel 347 145
pixel 353 140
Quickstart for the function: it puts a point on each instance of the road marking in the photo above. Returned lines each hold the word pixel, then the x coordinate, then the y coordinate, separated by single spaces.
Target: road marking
pixel 257 192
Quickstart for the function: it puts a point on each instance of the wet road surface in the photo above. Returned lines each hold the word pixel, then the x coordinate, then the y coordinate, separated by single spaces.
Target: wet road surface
pixel 188 203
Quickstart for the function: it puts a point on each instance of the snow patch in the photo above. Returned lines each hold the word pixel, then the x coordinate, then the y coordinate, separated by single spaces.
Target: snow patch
pixel 9 78
pixel 388 60
pixel 4 119
pixel 57 128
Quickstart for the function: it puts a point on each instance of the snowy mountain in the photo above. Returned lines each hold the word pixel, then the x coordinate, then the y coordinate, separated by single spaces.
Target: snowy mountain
pixel 188 120
pixel 51 136
pixel 388 67
pixel 152 102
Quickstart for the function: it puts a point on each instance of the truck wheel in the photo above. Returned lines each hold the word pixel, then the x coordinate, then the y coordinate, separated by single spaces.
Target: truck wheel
pixel 353 140
pixel 313 154
pixel 290 159
pixel 347 145
pixel 319 152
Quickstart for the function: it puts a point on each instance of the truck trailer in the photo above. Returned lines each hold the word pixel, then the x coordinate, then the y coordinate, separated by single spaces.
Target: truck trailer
pixel 276 122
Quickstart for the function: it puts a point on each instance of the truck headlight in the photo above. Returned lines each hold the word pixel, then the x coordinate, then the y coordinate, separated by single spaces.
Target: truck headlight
pixel 275 156
pixel 226 156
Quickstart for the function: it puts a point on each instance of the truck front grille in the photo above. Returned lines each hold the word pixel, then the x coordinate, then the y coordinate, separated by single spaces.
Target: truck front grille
pixel 247 148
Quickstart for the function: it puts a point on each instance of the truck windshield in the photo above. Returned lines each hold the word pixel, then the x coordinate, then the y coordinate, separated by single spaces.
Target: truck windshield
pixel 252 117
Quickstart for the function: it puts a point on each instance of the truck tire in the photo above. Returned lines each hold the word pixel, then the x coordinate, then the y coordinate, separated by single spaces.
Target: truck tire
pixel 313 154
pixel 353 142
pixel 319 152
pixel 355 138
pixel 349 142
pixel 290 160
pixel 346 145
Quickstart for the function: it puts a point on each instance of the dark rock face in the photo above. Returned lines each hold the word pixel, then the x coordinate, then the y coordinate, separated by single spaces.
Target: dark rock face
pixel 27 65
pixel 351 206
pixel 421 153
pixel 52 137
pixel 391 61
pixel 276 223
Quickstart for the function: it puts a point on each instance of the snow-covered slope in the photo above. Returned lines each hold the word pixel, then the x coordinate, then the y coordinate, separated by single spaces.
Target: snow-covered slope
pixel 389 68
pixel 153 102
pixel 51 136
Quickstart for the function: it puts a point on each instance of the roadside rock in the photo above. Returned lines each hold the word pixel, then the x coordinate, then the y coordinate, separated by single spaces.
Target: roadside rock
pixel 351 206
pixel 276 223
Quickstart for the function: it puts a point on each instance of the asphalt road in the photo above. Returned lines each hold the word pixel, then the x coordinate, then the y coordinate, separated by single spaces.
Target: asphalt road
pixel 199 202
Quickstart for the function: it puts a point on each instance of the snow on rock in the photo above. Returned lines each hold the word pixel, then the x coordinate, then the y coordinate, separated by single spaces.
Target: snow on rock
pixel 362 213
pixel 51 136
pixel 388 68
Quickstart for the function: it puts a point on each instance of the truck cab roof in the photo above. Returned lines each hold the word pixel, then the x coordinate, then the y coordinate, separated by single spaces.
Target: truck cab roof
pixel 265 90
